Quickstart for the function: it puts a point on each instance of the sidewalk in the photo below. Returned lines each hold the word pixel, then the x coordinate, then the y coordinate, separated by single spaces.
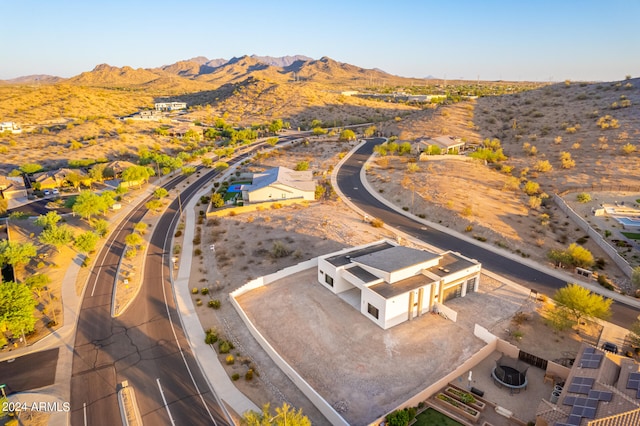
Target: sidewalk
pixel 64 337
pixel 205 355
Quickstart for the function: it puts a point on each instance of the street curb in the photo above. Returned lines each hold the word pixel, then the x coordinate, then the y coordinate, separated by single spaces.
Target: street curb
pixel 557 274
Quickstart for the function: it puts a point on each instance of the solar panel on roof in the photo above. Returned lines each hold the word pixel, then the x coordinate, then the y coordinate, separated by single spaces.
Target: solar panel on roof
pixel 574 420
pixel 589 412
pixel 569 400
pixel 589 350
pixel 605 396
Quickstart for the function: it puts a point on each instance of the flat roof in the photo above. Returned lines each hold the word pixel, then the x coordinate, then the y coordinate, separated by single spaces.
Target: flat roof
pixel 450 263
pixel 387 290
pixel 345 258
pixel 395 258
pixel 362 274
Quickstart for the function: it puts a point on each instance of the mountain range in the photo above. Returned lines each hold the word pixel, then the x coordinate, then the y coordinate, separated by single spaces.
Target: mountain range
pixel 202 73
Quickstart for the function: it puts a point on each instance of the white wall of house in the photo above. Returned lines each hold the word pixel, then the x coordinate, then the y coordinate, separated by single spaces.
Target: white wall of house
pixel 410 271
pixel 376 301
pixel 278 192
pixel 336 282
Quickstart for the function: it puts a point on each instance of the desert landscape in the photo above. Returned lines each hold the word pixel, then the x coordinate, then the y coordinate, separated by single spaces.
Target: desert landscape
pixel 524 142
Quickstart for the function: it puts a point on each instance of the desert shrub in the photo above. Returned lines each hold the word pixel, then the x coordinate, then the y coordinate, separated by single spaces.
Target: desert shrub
pixel 214 304
pixel 535 202
pixel 412 167
pixel 399 418
pixel 204 291
pixel 604 282
pixel 279 250
pixel 276 206
pixel 224 346
pixel 469 228
pixel 197 252
pixel 195 290
pixel 211 336
pixel 377 223
pixel 230 359
pixel 543 166
pixel 178 234
pixel 249 375
pixel 235 376
pixel 566 160
pixel 583 197
pixel 466 211
pixel 512 184
pixel 628 149
pixel 302 166
pixel 531 188
pixel 232 213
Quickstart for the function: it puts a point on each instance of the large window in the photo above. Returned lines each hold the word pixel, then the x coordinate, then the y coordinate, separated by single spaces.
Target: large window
pixel 328 280
pixel 373 311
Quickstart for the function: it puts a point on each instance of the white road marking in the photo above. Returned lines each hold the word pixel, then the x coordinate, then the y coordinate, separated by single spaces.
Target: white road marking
pixel 118 230
pixel 84 409
pixel 175 336
pixel 165 402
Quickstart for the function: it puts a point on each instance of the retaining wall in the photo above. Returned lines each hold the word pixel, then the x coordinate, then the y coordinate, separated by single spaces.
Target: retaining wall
pixel 595 236
pixel 325 408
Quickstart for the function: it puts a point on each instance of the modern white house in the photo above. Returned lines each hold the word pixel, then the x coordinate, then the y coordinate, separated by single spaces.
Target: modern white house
pixel 391 284
pixel 170 106
pixel 10 126
pixel 280 183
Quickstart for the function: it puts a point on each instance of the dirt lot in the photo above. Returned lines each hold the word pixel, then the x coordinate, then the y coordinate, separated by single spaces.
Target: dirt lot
pixel 243 250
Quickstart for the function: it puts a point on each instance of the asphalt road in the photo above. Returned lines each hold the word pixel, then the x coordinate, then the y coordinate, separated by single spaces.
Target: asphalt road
pixel 146 345
pixel 349 182
pixel 20 374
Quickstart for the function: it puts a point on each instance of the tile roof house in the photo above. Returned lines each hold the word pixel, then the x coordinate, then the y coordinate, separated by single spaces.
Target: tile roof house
pixel 447 144
pixel 602 389
pixel 279 183
pixel 391 284
pixel 12 187
pixel 58 178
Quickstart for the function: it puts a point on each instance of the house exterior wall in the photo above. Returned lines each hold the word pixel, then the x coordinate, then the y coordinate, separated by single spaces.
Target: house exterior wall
pixel 369 297
pixel 412 270
pixel 278 192
pixel 338 283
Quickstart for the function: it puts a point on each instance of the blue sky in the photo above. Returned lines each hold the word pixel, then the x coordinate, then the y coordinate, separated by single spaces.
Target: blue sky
pixel 490 39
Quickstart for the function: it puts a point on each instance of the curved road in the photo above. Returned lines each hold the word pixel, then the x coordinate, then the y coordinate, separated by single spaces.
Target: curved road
pixel 348 179
pixel 146 345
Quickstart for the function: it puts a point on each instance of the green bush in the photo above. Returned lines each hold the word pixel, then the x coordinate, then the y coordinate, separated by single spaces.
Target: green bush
pixel 211 336
pixel 230 359
pixel 248 375
pixel 194 290
pixel 215 304
pixel 225 346
pixel 178 234
pixel 235 376
pixel 583 197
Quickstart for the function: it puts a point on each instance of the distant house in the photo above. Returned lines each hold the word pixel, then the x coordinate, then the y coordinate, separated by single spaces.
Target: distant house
pixel 447 145
pixel 117 167
pixel 58 178
pixel 12 187
pixel 170 106
pixel 147 115
pixel 391 284
pixel 10 126
pixel 180 131
pixel 279 183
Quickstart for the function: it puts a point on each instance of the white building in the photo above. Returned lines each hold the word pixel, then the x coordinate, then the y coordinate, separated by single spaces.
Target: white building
pixel 10 126
pixel 279 183
pixel 170 106
pixel 391 284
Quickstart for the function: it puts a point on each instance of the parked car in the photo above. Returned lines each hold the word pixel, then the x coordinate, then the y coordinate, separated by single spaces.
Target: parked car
pixel 55 191
pixel 610 347
pixel 46 192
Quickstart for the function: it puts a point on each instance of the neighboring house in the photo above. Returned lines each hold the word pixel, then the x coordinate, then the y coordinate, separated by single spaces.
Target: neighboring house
pixel 447 145
pixel 12 187
pixel 602 390
pixel 180 131
pixel 10 126
pixel 279 183
pixel 391 284
pixel 115 167
pixel 58 178
pixel 148 115
pixel 170 106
